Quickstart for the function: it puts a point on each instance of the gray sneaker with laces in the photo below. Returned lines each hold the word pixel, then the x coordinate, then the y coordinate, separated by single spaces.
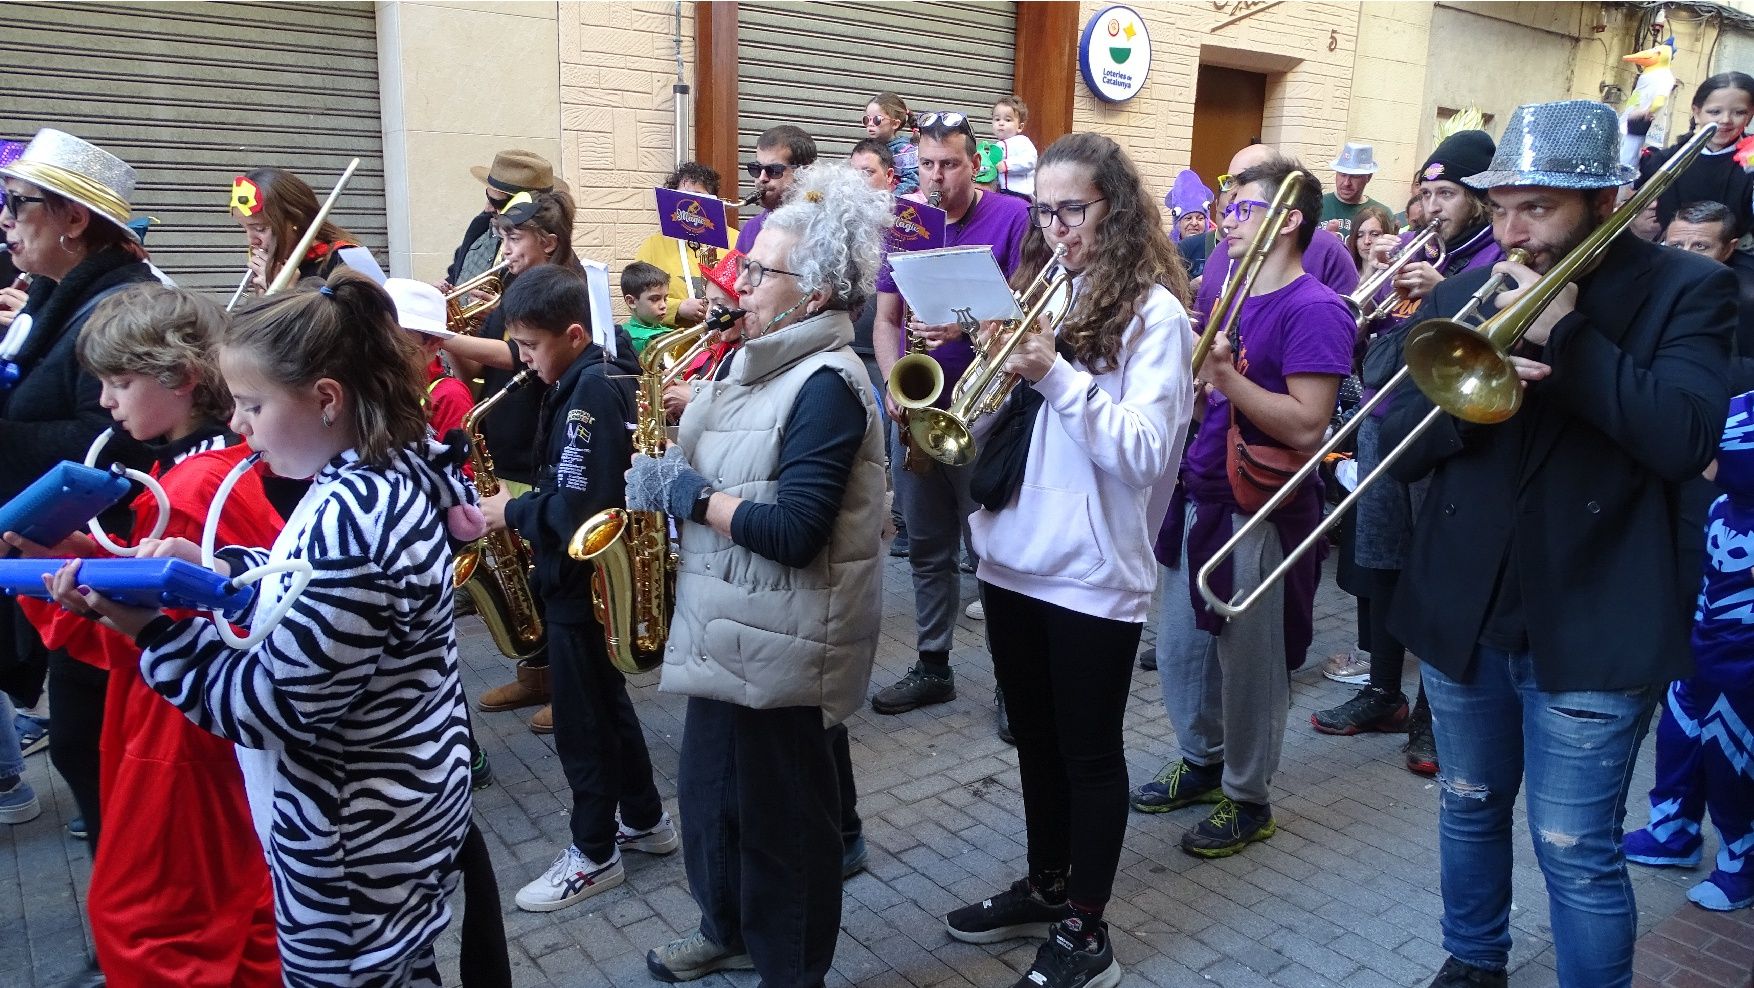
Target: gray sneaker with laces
pixel 693 956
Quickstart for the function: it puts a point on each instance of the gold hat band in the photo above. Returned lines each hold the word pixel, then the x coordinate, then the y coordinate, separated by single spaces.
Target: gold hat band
pixel 74 185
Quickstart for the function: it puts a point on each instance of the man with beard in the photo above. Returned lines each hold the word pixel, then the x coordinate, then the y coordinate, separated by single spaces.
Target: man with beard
pixel 1383 523
pixel 1542 588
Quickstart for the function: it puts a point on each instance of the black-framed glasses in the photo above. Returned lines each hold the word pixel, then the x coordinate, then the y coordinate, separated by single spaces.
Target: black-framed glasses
pixel 16 200
pixel 944 120
pixel 1070 214
pixel 1242 209
pixel 497 199
pixel 755 271
pixel 775 170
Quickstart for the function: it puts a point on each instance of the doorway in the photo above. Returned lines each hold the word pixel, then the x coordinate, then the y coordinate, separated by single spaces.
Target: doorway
pixel 1229 107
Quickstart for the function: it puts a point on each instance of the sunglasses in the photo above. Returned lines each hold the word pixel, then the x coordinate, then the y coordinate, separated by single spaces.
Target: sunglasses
pixel 756 168
pixel 15 201
pixel 944 120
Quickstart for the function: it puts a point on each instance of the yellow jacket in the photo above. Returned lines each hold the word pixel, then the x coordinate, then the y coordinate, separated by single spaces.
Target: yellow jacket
pixel 663 252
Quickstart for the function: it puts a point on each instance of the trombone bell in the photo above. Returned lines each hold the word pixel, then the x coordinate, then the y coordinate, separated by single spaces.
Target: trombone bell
pixel 1463 372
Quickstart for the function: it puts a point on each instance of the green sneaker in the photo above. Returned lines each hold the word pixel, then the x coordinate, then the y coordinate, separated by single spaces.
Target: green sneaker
pixel 1180 784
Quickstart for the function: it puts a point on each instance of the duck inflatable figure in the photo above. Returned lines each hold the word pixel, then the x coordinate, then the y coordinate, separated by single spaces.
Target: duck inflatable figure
pixel 1643 117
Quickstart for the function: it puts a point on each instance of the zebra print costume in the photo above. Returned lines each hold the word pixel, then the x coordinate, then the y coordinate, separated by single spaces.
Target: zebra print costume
pixel 357 699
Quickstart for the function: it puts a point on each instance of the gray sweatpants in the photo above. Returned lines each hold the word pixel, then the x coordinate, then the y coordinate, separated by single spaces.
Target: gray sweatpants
pixel 935 505
pixel 1226 695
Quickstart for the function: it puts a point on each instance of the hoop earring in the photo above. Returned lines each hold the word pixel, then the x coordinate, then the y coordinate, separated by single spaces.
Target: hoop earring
pixel 63 243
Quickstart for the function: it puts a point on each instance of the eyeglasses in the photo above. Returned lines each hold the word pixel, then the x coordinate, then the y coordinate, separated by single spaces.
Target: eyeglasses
pixel 1242 209
pixel 755 271
pixel 497 199
pixel 944 120
pixel 872 121
pixel 14 201
pixel 1226 182
pixel 1070 214
pixel 755 168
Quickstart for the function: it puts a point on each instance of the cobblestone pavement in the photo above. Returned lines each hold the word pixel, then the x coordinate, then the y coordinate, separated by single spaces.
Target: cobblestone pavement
pixel 1345 894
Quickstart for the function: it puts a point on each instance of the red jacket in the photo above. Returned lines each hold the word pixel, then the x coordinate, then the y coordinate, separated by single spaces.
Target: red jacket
pixel 180 893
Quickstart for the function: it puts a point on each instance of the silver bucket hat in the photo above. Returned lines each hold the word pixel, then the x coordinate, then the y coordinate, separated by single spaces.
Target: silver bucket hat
pixel 1566 144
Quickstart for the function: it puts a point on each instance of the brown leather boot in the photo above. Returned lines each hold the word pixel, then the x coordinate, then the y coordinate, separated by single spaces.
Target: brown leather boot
pixel 543 722
pixel 530 689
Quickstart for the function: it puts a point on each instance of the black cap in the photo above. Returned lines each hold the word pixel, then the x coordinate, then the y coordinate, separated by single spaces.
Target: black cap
pixel 518 215
pixel 1462 154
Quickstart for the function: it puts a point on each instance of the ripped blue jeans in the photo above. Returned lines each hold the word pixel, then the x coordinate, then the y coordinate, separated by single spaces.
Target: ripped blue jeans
pixel 1576 752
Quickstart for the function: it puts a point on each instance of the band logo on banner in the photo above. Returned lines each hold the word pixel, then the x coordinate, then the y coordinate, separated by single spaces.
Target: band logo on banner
pixel 917 226
pixel 694 218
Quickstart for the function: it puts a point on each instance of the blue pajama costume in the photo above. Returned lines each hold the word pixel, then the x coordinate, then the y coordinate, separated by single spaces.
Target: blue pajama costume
pixel 1705 739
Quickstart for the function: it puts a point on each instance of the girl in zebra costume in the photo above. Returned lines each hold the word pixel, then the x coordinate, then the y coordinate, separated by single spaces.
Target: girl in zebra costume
pixel 360 784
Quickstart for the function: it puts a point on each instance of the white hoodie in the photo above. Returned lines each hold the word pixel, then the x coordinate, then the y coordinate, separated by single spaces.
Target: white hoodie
pixel 1103 460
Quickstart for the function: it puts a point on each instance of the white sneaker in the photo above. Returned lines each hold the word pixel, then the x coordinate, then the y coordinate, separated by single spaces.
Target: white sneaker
pixel 570 878
pixel 661 839
pixel 975 611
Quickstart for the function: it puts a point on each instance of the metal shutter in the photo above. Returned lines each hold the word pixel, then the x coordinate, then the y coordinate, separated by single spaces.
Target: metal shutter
pixel 193 94
pixel 816 64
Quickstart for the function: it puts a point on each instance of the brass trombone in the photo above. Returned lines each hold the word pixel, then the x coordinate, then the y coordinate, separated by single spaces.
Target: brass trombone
pixel 1463 369
pixel 1228 309
pixel 947 435
pixel 464 315
pixel 1361 297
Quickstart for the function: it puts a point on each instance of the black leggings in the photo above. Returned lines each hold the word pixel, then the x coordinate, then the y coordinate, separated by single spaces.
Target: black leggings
pixel 76 723
pixel 1388 657
pixel 482 959
pixel 1066 676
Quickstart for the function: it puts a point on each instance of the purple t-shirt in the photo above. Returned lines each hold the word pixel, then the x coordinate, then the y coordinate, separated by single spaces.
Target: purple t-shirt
pixel 1326 259
pixel 996 220
pixel 1302 328
pixel 746 236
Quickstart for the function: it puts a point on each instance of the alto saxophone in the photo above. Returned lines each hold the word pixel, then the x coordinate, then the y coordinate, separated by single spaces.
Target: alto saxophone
pixel 500 589
pixel 633 579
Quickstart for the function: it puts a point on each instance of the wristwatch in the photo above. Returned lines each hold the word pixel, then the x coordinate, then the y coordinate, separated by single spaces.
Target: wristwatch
pixel 698 513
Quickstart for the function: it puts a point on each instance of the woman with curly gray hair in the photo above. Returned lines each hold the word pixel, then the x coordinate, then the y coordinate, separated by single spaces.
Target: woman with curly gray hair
pixel 776 485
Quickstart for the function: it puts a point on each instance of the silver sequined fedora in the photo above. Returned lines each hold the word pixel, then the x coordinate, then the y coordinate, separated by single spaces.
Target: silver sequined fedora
pixel 1566 144
pixel 87 174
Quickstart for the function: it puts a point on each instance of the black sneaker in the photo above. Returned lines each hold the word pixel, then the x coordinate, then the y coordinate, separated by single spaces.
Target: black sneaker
pixel 1073 958
pixel 1015 912
pixel 1421 747
pixel 1003 718
pixel 1179 784
pixel 1456 974
pixel 1231 827
pixel 1148 658
pixel 1373 709
pixel 919 688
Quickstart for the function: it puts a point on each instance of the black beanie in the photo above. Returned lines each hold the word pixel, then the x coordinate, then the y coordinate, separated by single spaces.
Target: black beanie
pixel 1461 154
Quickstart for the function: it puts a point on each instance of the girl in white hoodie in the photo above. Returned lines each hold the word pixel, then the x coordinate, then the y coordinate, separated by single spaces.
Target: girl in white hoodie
pixel 1066 568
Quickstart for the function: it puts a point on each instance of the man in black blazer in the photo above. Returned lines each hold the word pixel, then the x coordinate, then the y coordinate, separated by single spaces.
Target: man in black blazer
pixel 1545 590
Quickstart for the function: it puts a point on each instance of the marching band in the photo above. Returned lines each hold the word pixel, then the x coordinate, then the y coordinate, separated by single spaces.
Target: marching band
pixel 260 712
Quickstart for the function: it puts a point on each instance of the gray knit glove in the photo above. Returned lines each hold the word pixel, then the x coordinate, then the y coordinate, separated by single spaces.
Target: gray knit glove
pixel 668 484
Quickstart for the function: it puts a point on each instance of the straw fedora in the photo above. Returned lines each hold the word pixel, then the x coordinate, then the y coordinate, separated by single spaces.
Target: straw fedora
pixel 73 169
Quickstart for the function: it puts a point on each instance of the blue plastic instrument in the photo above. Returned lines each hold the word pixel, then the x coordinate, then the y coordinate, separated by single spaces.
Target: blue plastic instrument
pixel 154 583
pixel 61 502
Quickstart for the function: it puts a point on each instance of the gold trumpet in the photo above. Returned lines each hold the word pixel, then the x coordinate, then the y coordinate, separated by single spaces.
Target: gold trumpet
pixel 1228 309
pixel 463 314
pixel 947 435
pixel 1361 297
pixel 1463 368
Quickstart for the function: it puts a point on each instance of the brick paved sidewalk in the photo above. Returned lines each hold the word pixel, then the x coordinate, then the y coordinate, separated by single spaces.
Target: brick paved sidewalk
pixel 1345 894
